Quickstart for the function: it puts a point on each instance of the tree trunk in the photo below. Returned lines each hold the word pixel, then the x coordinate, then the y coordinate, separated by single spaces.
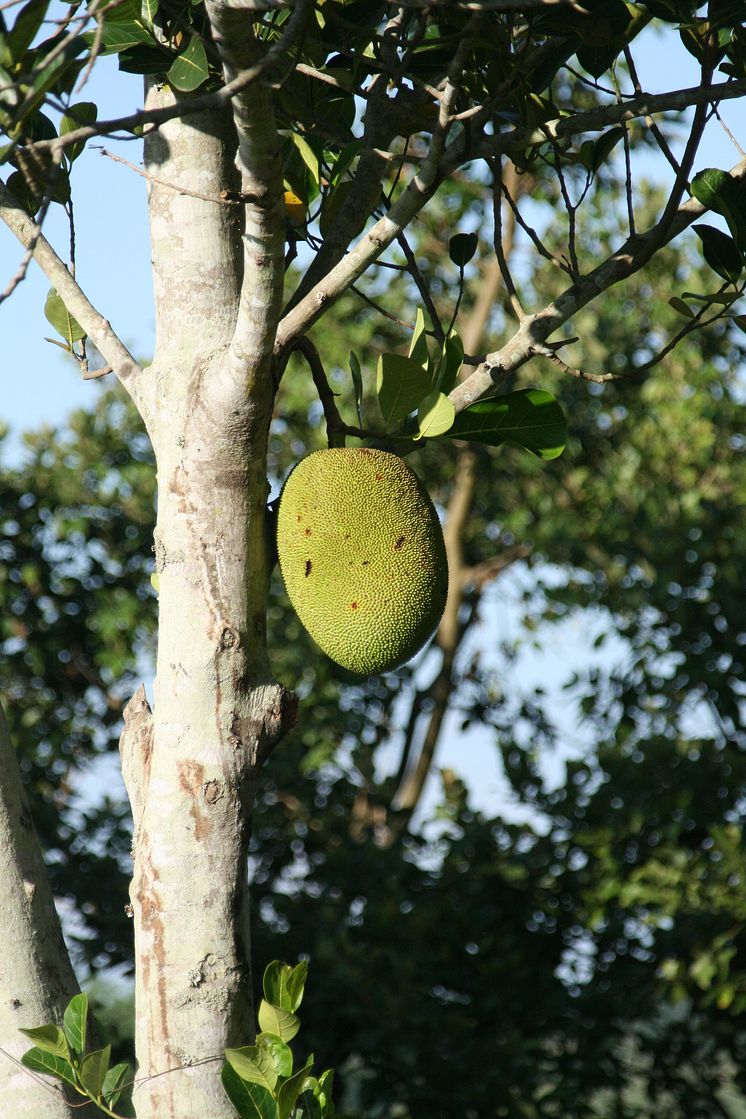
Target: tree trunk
pixel 36 978
pixel 191 766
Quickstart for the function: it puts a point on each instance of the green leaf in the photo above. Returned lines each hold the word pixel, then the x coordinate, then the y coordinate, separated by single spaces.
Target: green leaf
pixel 251 1101
pixel 279 1053
pixel 276 982
pixel 682 307
pixel 324 1091
pixel 308 1106
pixel 119 35
pixel 452 359
pixel 275 1020
pixel 721 192
pixel 190 69
pixel 58 316
pixel 254 1064
pixel 291 1089
pixel 85 112
pixel 75 1021
pixel 345 159
pixel 462 247
pixel 92 1071
pixel 604 146
pixel 39 1060
pixel 528 418
pixel 27 23
pixel 357 385
pixel 148 11
pixel 145 59
pixel 114 1083
pixel 49 1038
pixel 418 350
pixel 307 154
pixel 297 981
pixel 720 252
pixel 436 415
pixel 401 384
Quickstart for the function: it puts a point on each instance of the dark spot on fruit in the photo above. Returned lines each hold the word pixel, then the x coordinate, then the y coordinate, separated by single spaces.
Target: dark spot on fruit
pixel 299 518
pixel 308 532
pixel 347 536
pixel 365 563
pixel 399 543
pixel 379 477
pixel 308 568
pixel 354 605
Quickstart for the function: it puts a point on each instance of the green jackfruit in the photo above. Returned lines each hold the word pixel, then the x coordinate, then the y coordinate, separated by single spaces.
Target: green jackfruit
pixel 362 555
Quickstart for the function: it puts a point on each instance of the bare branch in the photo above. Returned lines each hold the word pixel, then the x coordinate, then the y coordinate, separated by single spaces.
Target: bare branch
pixel 595 120
pixel 95 325
pixel 532 334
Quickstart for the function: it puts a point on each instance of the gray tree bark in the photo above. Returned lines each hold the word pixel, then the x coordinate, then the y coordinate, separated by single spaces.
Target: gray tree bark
pixel 36 978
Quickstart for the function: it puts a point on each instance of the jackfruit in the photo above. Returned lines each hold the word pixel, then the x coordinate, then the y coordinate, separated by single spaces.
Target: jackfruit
pixel 362 555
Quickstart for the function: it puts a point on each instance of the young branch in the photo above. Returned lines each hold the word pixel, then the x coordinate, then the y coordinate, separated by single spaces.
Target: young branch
pixel 98 329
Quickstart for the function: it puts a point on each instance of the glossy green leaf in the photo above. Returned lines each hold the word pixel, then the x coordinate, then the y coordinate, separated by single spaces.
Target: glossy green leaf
pixel 418 350
pixel 452 358
pixel 280 1054
pixel 291 1089
pixel 324 1091
pixel 49 1038
pixel 528 418
pixel 119 35
pixel 401 384
pixel 190 69
pixel 148 11
pixel 307 154
pixel 345 159
pixel 435 416
pixel 251 1101
pixel 720 252
pixel 682 307
pixel 357 385
pixel 726 195
pixel 39 1060
pixel 296 984
pixel 275 1020
pixel 58 316
pixel 93 1069
pixel 115 1081
pixel 308 1106
pixel 254 1064
pixel 75 1022
pixel 145 59
pixel 24 29
pixel 461 248
pixel 85 112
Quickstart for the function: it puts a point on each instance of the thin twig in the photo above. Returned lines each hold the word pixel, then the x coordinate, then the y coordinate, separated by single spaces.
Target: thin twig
pixel 419 279
pixel 336 428
pixel 497 212
pixel 229 199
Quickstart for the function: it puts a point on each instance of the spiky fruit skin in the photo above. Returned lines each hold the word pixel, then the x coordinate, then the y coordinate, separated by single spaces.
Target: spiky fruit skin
pixel 362 555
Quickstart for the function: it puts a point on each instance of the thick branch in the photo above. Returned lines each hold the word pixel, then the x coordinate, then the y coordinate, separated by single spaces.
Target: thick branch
pixel 98 329
pixel 260 163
